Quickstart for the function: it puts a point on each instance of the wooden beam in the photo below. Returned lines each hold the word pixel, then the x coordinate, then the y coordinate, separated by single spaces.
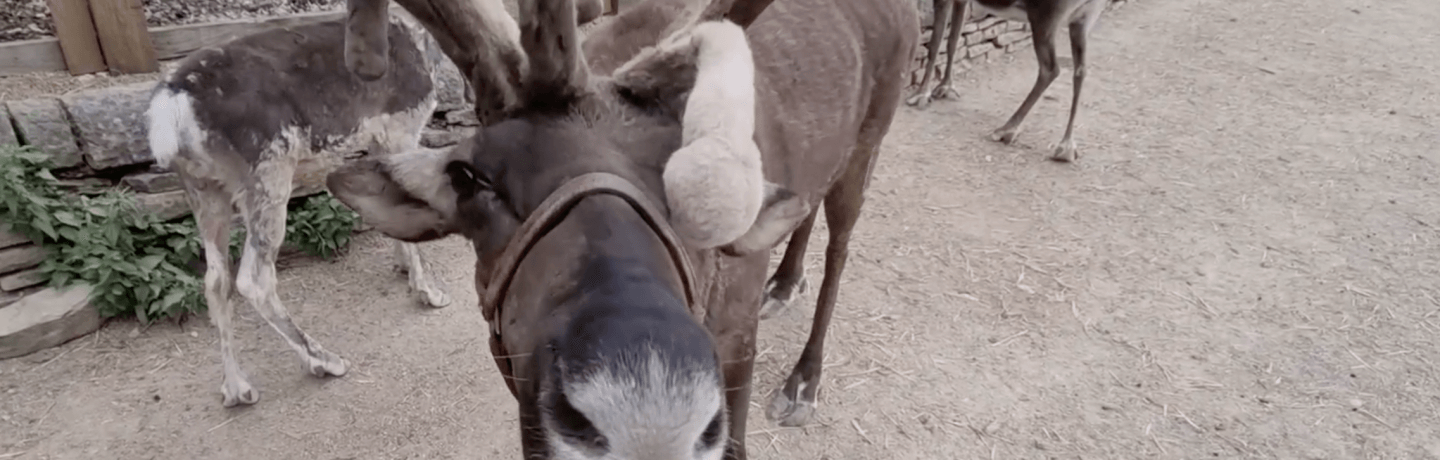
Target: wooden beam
pixel 173 42
pixel 123 36
pixel 29 56
pixel 76 32
pixel 169 42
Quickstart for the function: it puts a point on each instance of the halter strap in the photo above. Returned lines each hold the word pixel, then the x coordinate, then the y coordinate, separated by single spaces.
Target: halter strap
pixel 548 215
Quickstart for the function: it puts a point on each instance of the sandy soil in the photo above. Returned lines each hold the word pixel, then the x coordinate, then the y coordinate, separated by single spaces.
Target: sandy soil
pixel 1242 265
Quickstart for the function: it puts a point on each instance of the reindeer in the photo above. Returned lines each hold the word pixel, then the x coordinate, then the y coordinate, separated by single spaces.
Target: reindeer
pixel 622 295
pixel 239 122
pixel 1045 18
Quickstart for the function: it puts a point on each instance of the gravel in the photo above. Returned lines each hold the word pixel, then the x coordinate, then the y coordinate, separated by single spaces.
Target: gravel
pixel 30 19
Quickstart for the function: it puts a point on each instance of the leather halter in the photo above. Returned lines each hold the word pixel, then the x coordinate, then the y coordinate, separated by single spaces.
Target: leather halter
pixel 548 215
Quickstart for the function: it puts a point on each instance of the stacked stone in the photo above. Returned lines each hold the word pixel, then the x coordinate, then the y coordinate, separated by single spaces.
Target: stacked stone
pixel 981 40
pixel 32 317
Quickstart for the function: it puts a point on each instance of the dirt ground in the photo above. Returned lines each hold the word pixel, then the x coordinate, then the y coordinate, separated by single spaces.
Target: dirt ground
pixel 1244 264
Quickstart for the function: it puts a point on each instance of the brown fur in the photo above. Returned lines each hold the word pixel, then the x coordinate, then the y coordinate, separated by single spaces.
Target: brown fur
pixel 829 76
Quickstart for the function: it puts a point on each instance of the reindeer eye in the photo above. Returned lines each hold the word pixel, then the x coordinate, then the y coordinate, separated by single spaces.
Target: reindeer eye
pixel 465 179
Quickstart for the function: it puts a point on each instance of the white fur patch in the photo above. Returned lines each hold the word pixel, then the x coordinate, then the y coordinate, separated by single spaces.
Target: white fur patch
pixel 172 125
pixel 421 172
pixel 660 415
pixel 714 183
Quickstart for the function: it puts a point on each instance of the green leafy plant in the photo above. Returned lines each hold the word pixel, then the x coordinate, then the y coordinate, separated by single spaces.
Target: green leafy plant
pixel 135 263
pixel 320 225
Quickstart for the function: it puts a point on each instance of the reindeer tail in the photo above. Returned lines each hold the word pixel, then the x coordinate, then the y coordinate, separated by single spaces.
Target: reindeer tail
pixel 172 124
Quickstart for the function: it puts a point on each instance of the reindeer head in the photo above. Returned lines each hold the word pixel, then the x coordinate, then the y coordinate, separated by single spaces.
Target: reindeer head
pixel 584 202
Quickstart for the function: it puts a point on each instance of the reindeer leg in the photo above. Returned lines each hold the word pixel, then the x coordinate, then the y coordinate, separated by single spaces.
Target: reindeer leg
pixel 367 38
pixel 794 404
pixel 957 22
pixel 256 281
pixel 1079 32
pixel 789 281
pixel 734 327
pixel 1045 53
pixel 421 281
pixel 921 97
pixel 211 206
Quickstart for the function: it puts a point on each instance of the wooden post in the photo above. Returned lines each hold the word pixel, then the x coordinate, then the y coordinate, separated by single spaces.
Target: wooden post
pixel 124 37
pixel 76 32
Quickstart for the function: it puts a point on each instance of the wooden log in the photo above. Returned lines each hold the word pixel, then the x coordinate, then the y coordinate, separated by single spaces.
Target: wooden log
pixel 169 42
pixel 173 42
pixel 30 56
pixel 76 31
pixel 124 37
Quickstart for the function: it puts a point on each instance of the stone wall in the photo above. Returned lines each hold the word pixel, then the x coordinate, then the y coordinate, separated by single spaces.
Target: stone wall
pixel 982 39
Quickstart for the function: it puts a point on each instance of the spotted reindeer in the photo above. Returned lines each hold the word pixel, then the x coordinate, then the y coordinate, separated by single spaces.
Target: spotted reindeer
pixel 624 191
pixel 240 121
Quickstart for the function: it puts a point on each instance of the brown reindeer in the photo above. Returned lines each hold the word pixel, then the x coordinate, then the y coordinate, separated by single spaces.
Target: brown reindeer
pixel 1046 17
pixel 620 229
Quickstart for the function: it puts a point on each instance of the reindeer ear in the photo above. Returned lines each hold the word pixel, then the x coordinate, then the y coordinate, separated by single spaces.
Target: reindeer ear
pixel 660 75
pixel 405 196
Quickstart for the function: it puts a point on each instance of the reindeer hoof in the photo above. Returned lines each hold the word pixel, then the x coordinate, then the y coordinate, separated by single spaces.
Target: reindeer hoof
pixel 790 411
pixel 1005 135
pixel 237 391
pixel 920 99
pixel 944 92
pixel 435 298
pixel 323 363
pixel 1066 152
pixel 777 301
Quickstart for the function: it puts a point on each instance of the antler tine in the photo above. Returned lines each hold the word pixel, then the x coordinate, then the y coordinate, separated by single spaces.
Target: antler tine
pixel 477 35
pixel 551 39
pixel 367 42
pixel 740 12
